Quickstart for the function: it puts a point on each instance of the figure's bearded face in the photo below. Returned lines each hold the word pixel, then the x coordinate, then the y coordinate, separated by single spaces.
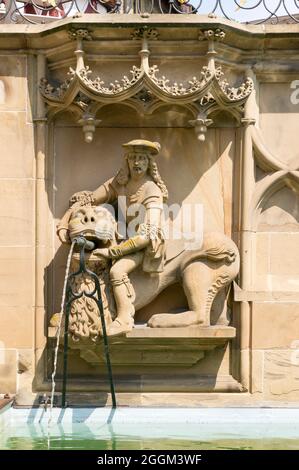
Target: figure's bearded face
pixel 138 164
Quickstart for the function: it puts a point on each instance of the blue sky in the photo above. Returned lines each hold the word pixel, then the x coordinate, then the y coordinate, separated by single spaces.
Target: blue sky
pixel 232 10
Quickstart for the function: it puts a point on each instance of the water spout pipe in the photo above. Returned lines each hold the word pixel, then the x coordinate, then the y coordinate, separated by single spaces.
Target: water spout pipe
pixel 81 241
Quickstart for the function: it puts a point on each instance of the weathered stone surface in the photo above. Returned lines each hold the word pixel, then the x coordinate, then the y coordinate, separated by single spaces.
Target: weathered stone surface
pixel 13 78
pixel 16 212
pixel 276 266
pixel 16 137
pixel 280 114
pixel 282 374
pixel 22 317
pixel 257 371
pixel 17 277
pixel 8 369
pixel 274 325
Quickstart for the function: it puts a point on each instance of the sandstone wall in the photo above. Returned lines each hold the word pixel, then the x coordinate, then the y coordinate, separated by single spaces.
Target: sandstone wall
pixel 44 160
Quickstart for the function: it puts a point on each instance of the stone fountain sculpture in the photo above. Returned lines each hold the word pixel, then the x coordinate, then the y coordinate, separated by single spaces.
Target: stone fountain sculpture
pixel 135 269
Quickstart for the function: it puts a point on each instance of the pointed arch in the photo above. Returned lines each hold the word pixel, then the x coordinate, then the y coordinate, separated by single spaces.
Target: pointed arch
pixel 265 159
pixel 266 188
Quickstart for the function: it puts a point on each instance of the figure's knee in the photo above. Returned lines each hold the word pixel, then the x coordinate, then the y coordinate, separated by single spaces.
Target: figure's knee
pixel 117 271
pixel 125 265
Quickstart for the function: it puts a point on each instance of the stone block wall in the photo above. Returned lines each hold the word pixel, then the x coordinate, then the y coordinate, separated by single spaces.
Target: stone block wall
pixel 44 159
pixel 17 219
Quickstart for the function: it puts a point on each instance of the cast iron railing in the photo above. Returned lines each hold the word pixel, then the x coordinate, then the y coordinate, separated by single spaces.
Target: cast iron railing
pixel 244 11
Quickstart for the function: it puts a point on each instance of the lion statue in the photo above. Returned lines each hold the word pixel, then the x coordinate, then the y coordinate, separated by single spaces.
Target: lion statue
pixel 204 273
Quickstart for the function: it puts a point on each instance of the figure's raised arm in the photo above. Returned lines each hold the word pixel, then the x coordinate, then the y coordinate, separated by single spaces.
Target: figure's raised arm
pixel 104 193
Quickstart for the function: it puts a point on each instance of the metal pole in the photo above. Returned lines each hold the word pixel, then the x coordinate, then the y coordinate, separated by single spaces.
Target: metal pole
pixel 106 347
pixel 97 297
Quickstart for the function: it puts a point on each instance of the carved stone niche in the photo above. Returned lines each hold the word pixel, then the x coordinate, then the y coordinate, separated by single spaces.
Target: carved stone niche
pixel 153 345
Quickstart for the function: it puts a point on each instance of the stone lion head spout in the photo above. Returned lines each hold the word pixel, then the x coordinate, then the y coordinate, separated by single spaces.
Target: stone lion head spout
pixel 95 223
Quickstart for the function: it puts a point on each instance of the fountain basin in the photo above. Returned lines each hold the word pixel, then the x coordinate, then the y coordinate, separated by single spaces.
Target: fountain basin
pixel 150 428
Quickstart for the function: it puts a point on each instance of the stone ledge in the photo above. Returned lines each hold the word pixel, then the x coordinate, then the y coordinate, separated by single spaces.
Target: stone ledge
pixel 23 37
pixel 241 295
pixel 220 332
pixel 155 347
pixel 150 383
pixel 217 331
pixel 155 19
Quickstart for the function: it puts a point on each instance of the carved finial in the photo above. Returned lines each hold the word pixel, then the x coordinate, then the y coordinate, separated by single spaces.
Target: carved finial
pixel 213 35
pixel 200 125
pixel 145 32
pixel 74 34
pixel 88 123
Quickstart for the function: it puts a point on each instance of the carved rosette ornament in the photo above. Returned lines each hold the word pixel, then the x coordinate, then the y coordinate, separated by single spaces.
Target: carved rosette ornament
pixel 80 33
pixel 202 94
pixel 216 35
pixel 149 33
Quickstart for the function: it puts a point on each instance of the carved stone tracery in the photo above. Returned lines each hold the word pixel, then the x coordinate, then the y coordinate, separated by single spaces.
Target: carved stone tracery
pixel 202 95
pixel 98 86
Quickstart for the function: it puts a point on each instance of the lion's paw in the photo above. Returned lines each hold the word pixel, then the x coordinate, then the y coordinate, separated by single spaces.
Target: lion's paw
pixel 174 320
pixel 159 320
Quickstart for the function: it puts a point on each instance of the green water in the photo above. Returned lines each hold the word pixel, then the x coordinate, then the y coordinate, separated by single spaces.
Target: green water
pixel 122 443
pixel 35 435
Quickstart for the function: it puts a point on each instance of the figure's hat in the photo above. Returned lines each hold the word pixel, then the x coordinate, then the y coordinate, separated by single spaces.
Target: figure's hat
pixel 140 145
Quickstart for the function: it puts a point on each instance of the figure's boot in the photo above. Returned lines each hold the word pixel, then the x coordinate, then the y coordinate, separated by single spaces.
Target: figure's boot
pixel 124 298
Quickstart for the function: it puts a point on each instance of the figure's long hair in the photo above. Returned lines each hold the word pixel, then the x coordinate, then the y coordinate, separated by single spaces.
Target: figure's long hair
pixel 123 175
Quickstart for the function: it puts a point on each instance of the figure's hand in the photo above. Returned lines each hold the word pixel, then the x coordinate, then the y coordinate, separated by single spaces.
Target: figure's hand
pixel 104 252
pixel 82 198
pixel 63 235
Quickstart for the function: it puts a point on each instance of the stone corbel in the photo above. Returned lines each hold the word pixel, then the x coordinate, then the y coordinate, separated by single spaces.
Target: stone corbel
pixel 213 36
pixel 79 35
